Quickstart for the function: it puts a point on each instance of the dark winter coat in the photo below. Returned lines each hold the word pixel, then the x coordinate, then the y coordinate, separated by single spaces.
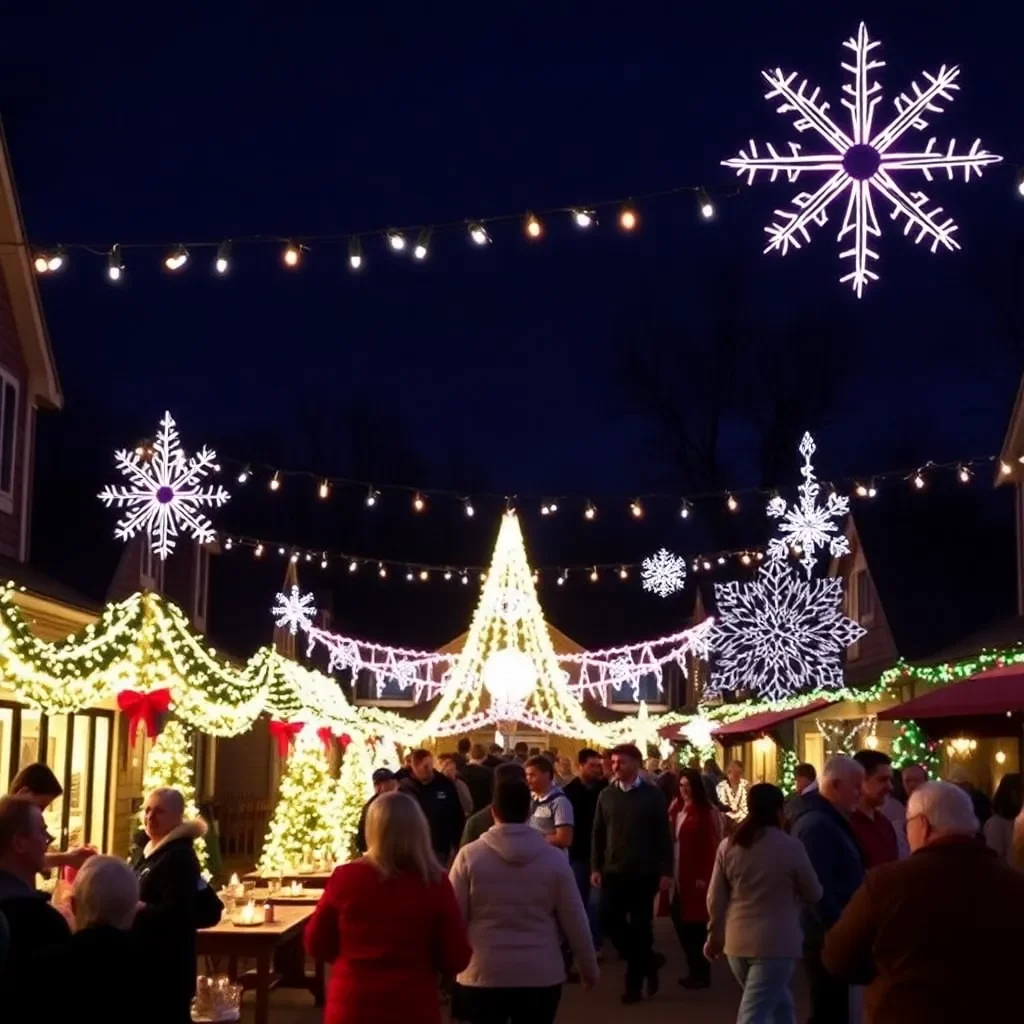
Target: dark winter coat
pixel 836 857
pixel 480 781
pixel 177 902
pixel 100 975
pixel 584 806
pixel 37 932
pixel 440 802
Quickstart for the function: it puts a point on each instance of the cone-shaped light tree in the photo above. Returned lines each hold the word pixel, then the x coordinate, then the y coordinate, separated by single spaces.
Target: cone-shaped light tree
pixel 508 670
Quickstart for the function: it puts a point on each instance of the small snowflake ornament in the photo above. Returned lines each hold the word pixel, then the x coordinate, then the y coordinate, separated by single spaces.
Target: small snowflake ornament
pixel 663 573
pixel 164 497
pixel 807 524
pixel 861 163
pixel 779 635
pixel 294 610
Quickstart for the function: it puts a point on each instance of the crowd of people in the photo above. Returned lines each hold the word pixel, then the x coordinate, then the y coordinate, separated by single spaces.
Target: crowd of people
pixel 505 877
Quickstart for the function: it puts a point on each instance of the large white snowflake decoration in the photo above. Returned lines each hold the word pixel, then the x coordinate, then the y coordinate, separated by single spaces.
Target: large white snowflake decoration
pixel 164 496
pixel 807 524
pixel 663 573
pixel 779 635
pixel 294 610
pixel 862 162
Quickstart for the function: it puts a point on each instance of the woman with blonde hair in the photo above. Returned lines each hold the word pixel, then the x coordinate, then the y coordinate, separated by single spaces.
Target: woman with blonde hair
pixel 389 924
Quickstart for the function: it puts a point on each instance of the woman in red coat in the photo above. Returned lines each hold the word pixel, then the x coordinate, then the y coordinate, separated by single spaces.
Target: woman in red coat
pixel 388 924
pixel 696 832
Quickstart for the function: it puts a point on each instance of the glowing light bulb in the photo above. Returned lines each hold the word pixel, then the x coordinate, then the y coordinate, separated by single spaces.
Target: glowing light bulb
pixel 294 557
pixel 919 481
pixel 478 233
pixel 731 503
pixel 323 562
pixel 371 498
pixel 561 580
pixel 1000 757
pixel 228 544
pixel 636 509
pixel 871 742
pixel 223 261
pixel 590 512
pixel 470 511
pixel 396 240
pixel 422 245
pixel 424 575
pixel 418 503
pixel 1020 183
pixel 707 209
pixel 41 263
pixel 382 571
pixel 55 261
pixel 623 573
pixel 275 482
pixel 593 575
pixel 409 577
pixel 684 510
pixel 627 218
pixel 745 558
pixel 355 252
pixel 115 267
pixel 1005 469
pixel 584 218
pixel 292 255
pixel 353 565
pixel 533 227
pixel 706 565
pixel 177 258
pixel 964 473
pixel 465 578
pixel 448 574
pixel 324 490
pixel 258 552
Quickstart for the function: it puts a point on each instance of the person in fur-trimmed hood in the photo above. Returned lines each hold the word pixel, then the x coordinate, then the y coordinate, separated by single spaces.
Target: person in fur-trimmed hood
pixel 174 901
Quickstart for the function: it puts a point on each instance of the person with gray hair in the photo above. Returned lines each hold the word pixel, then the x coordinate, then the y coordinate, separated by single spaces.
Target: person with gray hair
pixel 937 936
pixel 822 824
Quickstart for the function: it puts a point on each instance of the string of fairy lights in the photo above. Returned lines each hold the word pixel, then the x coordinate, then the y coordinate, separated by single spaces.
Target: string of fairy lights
pixel 413 241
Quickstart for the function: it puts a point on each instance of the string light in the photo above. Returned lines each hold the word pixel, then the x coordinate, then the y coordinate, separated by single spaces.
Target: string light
pixel 623 573
pixel 323 562
pixel 353 566
pixel 324 490
pixel 228 544
pixel 1020 182
pixel 355 252
pixel 258 552
pixel 447 574
pixel 593 575
pixel 584 218
pixel 866 490
pixel 685 509
pixel 707 209
pixel 275 482
pixel 49 262
pixel 465 578
pixel 964 473
pixel 409 576
pixel 176 259
pixel 292 255
pixel 382 571
pixel 731 503
pixel 222 263
pixel 468 505
pixel 478 233
pixel 424 575
pixel 244 475
pixel 919 480
pixel 636 509
pixel 371 497
pixel 422 244
pixel 549 508
pixel 1005 469
pixel 590 512
pixel 396 240
pixel 418 504
pixel 115 265
pixel 533 227
pixel 627 218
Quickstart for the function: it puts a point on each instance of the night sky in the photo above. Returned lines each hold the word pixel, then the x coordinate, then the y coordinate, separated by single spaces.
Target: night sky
pixel 545 369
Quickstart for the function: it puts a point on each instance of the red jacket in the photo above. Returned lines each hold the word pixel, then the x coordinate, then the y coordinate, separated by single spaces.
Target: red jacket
pixel 388 941
pixel 697 840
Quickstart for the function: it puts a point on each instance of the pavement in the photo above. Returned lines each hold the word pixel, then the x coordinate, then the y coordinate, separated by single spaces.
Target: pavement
pixel 717 1005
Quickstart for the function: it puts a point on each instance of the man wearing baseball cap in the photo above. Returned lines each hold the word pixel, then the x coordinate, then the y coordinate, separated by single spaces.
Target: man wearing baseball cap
pixel 384 781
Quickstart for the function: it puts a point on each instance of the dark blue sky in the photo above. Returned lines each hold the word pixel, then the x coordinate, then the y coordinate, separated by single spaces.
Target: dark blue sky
pixel 499 369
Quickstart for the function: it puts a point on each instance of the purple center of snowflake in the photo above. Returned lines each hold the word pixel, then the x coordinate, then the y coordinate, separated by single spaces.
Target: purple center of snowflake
pixel 165 495
pixel 862 161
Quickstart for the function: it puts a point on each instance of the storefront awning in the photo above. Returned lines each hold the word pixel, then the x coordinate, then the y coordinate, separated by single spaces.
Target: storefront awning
pixel 990 703
pixel 755 725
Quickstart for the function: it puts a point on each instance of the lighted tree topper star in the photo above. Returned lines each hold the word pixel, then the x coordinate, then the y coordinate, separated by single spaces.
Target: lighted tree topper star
pixel 807 524
pixel 164 497
pixel 294 610
pixel 663 573
pixel 861 163
pixel 779 635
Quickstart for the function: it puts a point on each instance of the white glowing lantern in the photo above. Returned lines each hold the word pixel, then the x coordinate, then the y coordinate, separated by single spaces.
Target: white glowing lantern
pixel 509 676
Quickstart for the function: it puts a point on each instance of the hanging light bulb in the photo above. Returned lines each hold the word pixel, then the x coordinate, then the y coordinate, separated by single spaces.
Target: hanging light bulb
pixel 424 575
pixel 707 208
pixel 228 544
pixel 323 561
pixel 562 578
pixel 964 473
pixel 353 565
pixel 115 266
pixel 280 551
pixel 745 558
pixel 371 497
pixel 590 512
pixel 418 503
pixel 41 263
pixel 448 574
pixel 294 557
pixel 685 509
pixel 478 233
pixel 292 254
pixel 533 227
pixel 222 263
pixel 636 509
pixel 275 481
pixel 593 575
pixel 628 219
pixel 468 505
pixel 355 252
pixel 731 503
pixel 1005 469
pixel 396 240
pixel 55 260
pixel 623 573
pixel 176 258
pixel 465 578
pixel 705 565
pixel 258 552
pixel 545 510
pixel 382 571
pixel 1020 182
pixel 324 490
pixel 244 475
pixel 409 576
pixel 918 480
pixel 422 244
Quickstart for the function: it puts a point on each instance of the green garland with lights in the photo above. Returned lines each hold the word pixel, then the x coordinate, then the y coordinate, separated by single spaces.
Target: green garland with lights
pixel 787 771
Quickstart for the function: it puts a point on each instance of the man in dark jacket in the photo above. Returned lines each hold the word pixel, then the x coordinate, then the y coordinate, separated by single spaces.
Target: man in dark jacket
pixel 384 781
pixel 478 777
pixel 583 792
pixel 176 901
pixel 822 824
pixel 630 859
pixel 895 932
pixel 480 821
pixel 37 931
pixel 440 802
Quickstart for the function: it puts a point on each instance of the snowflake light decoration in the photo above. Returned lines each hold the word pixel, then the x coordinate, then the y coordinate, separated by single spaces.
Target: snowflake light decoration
pixel 164 496
pixel 663 573
pixel 807 524
pixel 294 610
pixel 860 164
pixel 779 635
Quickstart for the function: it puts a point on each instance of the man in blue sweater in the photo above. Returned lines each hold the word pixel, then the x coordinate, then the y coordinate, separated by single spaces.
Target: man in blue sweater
pixel 630 859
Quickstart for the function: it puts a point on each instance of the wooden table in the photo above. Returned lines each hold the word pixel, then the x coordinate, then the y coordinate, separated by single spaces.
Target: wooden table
pixel 258 943
pixel 309 898
pixel 316 880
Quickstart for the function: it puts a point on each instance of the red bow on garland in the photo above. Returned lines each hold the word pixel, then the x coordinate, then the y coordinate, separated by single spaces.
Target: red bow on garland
pixel 344 740
pixel 326 734
pixel 284 733
pixel 143 707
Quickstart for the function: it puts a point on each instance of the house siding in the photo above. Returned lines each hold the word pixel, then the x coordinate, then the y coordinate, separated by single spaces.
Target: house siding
pixel 13 538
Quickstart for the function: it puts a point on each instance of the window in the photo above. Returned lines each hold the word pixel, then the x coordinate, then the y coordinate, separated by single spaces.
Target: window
pixel 649 689
pixel 391 691
pixel 865 598
pixel 8 438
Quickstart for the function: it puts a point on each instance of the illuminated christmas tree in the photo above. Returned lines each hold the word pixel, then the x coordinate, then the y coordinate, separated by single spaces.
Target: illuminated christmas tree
pixel 305 825
pixel 911 746
pixel 355 787
pixel 508 670
pixel 170 764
